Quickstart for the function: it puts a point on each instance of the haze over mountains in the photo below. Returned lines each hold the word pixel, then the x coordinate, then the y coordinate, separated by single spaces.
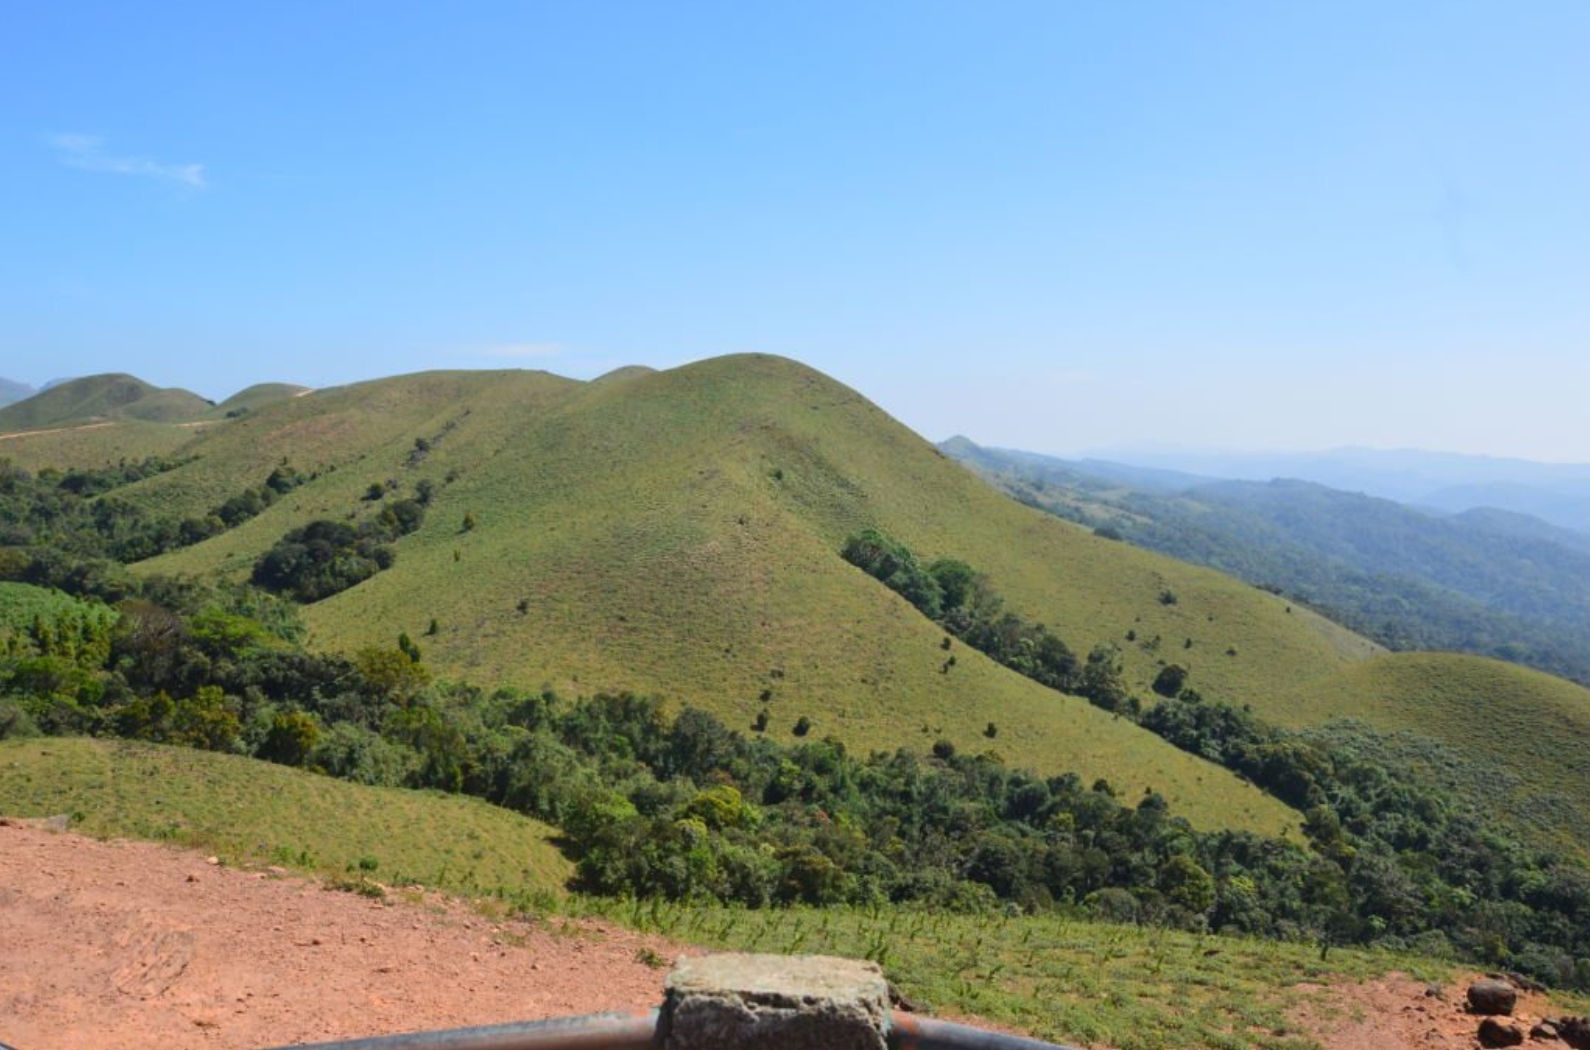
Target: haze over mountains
pixel 12 391
pixel 1555 492
pixel 1488 581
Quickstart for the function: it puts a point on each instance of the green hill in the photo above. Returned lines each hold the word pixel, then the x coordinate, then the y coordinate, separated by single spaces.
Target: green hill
pixel 678 532
pixel 253 812
pixel 98 398
pixel 256 397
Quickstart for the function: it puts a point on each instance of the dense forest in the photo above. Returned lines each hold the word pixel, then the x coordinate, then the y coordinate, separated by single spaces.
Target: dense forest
pixel 662 800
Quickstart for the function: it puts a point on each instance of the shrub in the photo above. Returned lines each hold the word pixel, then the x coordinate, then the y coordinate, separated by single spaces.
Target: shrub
pixel 1170 680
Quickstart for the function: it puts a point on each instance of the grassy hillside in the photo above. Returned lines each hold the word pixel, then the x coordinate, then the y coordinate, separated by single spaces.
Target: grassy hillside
pixel 95 444
pixel 678 532
pixel 1521 738
pixel 252 812
pixel 95 398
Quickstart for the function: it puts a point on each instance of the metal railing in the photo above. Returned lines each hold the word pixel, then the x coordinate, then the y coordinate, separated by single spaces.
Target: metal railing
pixel 640 1031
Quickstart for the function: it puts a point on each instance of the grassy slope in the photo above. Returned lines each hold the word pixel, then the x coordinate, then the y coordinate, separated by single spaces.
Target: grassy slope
pixel 1527 733
pixel 677 532
pixel 94 444
pixel 254 812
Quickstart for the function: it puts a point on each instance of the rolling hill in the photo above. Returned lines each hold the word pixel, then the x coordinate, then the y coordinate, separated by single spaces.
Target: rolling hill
pixel 678 533
pixel 98 398
pixel 256 397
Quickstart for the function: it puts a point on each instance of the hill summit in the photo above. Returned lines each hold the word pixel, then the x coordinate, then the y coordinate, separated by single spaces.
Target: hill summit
pixel 100 398
pixel 679 533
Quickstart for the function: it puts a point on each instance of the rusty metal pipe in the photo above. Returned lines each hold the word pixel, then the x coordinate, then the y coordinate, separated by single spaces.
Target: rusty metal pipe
pixel 909 1032
pixel 610 1031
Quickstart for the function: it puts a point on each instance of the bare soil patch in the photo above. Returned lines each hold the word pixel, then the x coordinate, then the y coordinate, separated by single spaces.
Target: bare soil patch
pixel 1397 1012
pixel 109 945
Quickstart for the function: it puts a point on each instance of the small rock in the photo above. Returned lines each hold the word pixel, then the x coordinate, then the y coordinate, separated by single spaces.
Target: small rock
pixel 1495 1034
pixel 212 860
pixel 1544 1030
pixel 193 878
pixel 1575 1032
pixel 1434 991
pixel 1492 997
pixel 1522 983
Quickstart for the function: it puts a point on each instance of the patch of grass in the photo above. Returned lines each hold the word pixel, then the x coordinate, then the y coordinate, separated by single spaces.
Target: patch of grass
pixel 255 813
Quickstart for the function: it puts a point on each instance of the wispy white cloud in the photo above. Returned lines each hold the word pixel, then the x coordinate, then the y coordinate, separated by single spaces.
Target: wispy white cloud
pixel 88 153
pixel 519 350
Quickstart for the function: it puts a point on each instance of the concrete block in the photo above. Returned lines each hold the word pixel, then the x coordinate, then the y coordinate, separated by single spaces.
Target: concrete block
pixel 775 1002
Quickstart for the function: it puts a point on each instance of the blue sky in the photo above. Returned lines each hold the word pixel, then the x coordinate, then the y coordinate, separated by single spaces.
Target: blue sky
pixel 1049 225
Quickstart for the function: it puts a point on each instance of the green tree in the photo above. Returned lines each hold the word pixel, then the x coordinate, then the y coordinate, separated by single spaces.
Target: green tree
pixel 292 736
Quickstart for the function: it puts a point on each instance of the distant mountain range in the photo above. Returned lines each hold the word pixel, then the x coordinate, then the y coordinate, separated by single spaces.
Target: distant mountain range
pixel 1488 581
pixel 1555 492
pixel 11 391
pixel 115 396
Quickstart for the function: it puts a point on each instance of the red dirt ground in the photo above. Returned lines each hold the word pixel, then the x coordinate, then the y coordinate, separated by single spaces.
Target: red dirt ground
pixel 113 945
pixel 110 945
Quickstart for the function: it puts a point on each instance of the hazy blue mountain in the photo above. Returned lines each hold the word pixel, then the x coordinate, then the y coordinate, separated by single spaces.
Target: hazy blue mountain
pixel 1487 581
pixel 1555 492
pixel 1525 526
pixel 12 391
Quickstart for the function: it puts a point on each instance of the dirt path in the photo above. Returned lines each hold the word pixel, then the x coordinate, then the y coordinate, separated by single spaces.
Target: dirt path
pixel 13 435
pixel 109 945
